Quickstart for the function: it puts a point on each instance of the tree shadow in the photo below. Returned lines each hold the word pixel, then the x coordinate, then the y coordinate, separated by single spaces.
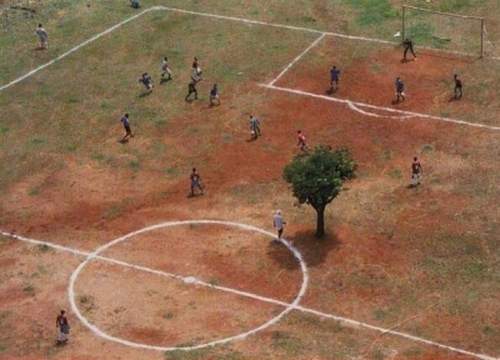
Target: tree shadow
pixel 313 250
pixel 145 93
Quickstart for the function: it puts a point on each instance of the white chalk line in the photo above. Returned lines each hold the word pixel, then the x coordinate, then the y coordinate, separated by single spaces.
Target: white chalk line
pixel 294 61
pixel 344 320
pixel 380 108
pixel 76 48
pixel 367 113
pixel 187 280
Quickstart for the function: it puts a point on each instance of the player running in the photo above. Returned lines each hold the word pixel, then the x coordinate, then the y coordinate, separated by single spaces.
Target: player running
pixel 334 79
pixel 408 46
pixel 458 87
pixel 195 182
pixel 301 141
pixel 400 90
pixel 147 81
pixel 43 37
pixel 192 90
pixel 166 73
pixel 214 96
pixel 416 172
pixel 254 127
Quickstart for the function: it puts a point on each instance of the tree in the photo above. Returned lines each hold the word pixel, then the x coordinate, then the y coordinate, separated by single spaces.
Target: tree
pixel 317 178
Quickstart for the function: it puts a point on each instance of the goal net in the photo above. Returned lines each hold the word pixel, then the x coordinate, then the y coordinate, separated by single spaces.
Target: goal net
pixel 453 32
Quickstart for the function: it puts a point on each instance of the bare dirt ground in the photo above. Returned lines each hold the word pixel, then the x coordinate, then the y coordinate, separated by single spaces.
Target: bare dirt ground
pixel 422 261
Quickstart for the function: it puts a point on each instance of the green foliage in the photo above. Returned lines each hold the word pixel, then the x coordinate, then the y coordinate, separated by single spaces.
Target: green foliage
pixel 373 11
pixel 317 178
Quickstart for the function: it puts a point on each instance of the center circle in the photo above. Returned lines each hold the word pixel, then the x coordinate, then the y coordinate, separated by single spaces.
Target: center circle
pixel 95 255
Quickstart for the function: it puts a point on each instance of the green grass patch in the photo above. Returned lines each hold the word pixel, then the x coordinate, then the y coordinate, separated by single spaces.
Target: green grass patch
pixel 199 354
pixel 372 12
pixel 286 342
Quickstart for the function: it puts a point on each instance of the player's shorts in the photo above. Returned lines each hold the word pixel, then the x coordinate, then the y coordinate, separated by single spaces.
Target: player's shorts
pixel 127 129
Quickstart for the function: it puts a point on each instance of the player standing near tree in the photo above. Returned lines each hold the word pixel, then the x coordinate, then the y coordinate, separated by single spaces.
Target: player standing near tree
pixel 416 172
pixel 301 141
pixel 126 125
pixel 334 79
pixel 147 81
pixel 458 87
pixel 43 37
pixel 195 182
pixel 165 70
pixel 254 127
pixel 214 96
pixel 400 90
pixel 279 223
pixel 408 46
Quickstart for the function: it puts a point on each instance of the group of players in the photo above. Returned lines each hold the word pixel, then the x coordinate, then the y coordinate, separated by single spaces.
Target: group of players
pixel 398 84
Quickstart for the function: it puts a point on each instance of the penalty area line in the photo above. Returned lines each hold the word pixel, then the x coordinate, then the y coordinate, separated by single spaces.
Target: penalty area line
pixel 405 113
pixel 194 281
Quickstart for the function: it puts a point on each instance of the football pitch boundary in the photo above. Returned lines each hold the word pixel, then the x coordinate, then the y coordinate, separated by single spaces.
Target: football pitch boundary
pixel 353 105
pixel 89 255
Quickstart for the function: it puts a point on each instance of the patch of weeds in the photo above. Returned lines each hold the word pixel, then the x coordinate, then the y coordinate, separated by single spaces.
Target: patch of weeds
pixel 395 174
pixel 3 130
pixel 135 165
pixel 412 352
pixel 227 138
pixel 168 316
pixel 373 12
pixel 37 141
pixel 308 19
pixel 105 105
pixel 427 148
pixel 87 303
pixel 29 289
pixel 34 191
pixel 377 354
pixel 71 147
pixel 72 100
pixel 287 343
pixel 379 314
pixel 488 330
pixel 214 281
pixel 43 248
pixel 172 171
pixel 2 348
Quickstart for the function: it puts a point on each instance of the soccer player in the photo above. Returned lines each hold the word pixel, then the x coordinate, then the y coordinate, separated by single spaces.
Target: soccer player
pixel 334 79
pixel 126 125
pixel 192 90
pixel 62 326
pixel 43 37
pixel 400 90
pixel 408 46
pixel 416 172
pixel 147 81
pixel 301 141
pixel 165 70
pixel 254 127
pixel 278 223
pixel 214 96
pixel 195 182
pixel 458 87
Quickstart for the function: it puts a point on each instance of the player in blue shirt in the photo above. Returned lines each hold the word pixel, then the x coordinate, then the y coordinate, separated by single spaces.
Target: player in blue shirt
pixel 334 79
pixel 400 90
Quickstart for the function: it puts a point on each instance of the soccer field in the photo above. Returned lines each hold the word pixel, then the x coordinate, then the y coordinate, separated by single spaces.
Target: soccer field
pixel 106 230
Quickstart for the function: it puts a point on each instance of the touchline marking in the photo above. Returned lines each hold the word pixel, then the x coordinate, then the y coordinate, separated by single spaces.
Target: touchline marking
pixel 351 103
pixel 288 67
pixel 189 280
pixel 78 47
pixel 367 113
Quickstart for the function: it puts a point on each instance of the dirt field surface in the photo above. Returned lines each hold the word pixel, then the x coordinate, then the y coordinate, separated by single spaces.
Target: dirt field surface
pixel 420 261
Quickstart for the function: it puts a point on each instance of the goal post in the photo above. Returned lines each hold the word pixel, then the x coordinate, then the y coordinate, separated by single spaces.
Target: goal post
pixel 464 34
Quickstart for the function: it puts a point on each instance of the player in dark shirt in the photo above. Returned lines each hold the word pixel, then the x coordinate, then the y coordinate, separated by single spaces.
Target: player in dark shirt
pixel 195 182
pixel 416 172
pixel 334 79
pixel 214 96
pixel 192 90
pixel 408 46
pixel 458 87
pixel 126 125
pixel 400 88
pixel 147 81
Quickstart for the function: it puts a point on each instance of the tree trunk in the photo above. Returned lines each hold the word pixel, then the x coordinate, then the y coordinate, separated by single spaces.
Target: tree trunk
pixel 320 223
